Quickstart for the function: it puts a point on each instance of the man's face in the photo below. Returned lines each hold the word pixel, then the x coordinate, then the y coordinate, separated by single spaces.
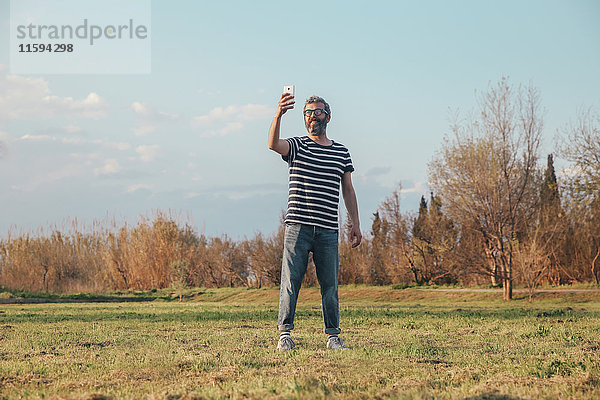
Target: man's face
pixel 316 125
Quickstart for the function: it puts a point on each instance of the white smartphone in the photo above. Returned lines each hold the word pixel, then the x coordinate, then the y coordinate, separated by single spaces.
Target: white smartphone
pixel 289 89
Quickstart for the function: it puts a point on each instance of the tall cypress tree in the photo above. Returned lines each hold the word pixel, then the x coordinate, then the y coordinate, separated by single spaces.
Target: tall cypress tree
pixel 550 210
pixel 550 219
pixel 420 230
pixel 436 218
pixel 376 226
pixel 378 250
pixel 443 240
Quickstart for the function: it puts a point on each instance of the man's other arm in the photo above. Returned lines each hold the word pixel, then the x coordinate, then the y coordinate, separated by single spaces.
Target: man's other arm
pixel 276 144
pixel 352 207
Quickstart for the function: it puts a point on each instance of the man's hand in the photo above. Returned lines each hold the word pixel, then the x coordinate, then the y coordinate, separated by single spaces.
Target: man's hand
pixel 286 102
pixel 355 236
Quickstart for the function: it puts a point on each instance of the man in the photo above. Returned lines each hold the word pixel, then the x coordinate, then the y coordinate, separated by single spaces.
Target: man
pixel 317 166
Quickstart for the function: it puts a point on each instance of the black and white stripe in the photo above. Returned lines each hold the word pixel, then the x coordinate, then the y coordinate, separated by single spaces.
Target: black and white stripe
pixel 314 185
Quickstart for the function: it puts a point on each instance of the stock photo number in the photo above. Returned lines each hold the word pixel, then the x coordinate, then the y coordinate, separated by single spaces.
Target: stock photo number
pixel 45 48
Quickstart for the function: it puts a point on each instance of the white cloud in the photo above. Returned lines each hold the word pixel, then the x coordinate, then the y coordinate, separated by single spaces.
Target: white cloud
pixel 378 171
pixel 85 156
pixel 149 119
pixel 114 145
pixel 139 186
pixel 29 97
pixel 141 130
pixel 74 140
pixel 419 187
pixel 111 166
pixel 253 112
pixel 93 106
pixel 216 114
pixel 72 129
pixel 228 128
pixel 87 159
pixel 3 139
pixel 38 138
pixel 167 115
pixel 139 108
pixel 231 127
pixel 120 145
pixel 147 153
pixel 223 120
pixel 66 171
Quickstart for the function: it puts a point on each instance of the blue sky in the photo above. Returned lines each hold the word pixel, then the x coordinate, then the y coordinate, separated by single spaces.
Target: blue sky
pixel 191 135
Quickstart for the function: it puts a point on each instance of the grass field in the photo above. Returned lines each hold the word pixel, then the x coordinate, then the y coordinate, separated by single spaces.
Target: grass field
pixel 221 344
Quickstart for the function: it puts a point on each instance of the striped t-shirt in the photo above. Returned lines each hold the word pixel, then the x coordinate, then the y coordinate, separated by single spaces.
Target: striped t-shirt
pixel 315 175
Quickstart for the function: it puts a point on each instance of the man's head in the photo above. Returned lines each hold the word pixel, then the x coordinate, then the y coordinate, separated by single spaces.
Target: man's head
pixel 316 115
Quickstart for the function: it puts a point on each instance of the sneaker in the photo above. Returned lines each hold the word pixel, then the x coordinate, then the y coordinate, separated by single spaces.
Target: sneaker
pixel 285 343
pixel 336 343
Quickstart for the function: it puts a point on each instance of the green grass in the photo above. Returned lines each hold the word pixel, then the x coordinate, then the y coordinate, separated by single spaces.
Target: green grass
pixel 405 343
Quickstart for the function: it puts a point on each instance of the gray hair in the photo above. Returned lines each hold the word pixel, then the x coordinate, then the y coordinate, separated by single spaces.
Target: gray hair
pixel 317 99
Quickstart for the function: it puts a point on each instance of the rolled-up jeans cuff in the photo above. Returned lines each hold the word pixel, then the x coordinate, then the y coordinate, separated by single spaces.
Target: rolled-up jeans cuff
pixel 333 331
pixel 286 327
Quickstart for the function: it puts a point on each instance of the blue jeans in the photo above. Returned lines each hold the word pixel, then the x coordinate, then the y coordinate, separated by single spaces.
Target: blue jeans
pixel 299 241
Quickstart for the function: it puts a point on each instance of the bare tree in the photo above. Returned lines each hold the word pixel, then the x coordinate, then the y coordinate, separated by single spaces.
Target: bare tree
pixel 401 255
pixel 434 241
pixel 533 257
pixel 264 258
pixel 486 173
pixel 580 145
pixel 351 260
pixel 582 239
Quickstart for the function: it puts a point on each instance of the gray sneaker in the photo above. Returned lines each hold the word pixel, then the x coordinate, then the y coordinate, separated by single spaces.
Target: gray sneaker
pixel 336 343
pixel 285 343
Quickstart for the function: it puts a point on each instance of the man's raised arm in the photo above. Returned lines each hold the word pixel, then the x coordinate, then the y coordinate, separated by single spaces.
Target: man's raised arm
pixel 286 102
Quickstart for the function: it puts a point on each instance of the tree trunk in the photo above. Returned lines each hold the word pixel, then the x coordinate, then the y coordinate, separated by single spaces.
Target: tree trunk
pixel 492 263
pixel 506 281
pixel 594 274
pixel 494 269
pixel 507 286
pixel 45 284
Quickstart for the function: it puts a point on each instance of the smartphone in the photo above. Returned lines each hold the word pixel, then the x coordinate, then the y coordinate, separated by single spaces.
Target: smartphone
pixel 289 89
